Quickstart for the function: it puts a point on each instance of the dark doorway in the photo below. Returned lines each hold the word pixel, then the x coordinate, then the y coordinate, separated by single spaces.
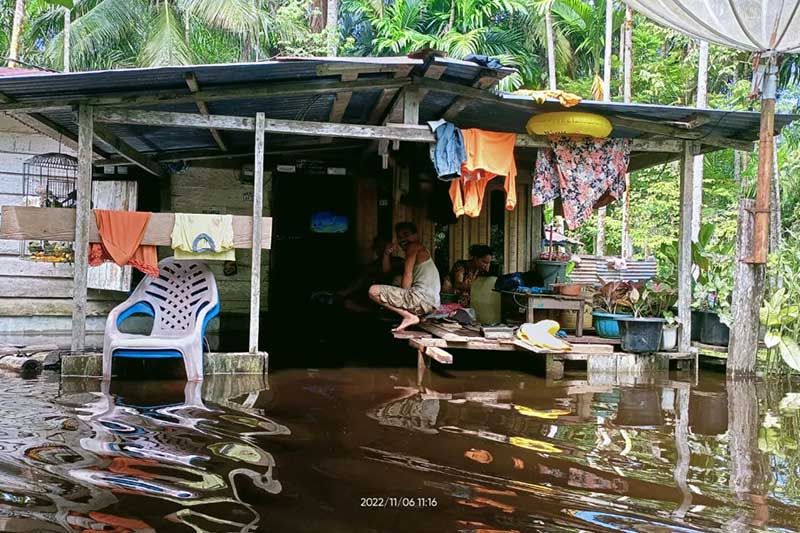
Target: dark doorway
pixel 315 251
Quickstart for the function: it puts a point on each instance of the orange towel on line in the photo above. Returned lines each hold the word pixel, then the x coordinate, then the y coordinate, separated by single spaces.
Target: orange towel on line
pixel 121 233
pixel 489 154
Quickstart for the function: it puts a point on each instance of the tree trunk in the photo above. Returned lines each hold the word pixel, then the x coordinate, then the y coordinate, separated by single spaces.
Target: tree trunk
pixel 628 63
pixel 748 474
pixel 607 51
pixel 551 49
pixel 701 103
pixel 16 30
pixel 775 222
pixel 67 29
pixel 626 246
pixel 748 293
pixel 621 57
pixel 452 19
pixel 317 22
pixel 600 239
pixel 332 25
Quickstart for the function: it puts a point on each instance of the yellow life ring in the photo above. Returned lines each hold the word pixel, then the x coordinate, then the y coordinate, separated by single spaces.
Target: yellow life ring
pixel 569 123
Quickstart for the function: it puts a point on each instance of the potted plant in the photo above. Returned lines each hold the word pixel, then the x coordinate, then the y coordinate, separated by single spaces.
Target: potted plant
pixel 716 308
pixel 642 332
pixel 553 268
pixel 669 336
pixel 610 303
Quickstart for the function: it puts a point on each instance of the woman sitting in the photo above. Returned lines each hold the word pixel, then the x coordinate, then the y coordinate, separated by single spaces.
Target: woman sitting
pixel 464 272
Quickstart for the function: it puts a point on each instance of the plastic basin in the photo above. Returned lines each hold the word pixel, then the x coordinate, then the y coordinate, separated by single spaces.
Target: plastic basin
pixel 641 335
pixel 606 324
pixel 712 331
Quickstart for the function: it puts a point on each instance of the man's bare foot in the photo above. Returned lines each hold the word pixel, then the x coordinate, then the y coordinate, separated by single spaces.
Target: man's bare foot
pixel 406 323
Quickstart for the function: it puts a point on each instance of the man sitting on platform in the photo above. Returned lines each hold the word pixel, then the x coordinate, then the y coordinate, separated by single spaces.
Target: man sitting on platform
pixel 354 296
pixel 418 293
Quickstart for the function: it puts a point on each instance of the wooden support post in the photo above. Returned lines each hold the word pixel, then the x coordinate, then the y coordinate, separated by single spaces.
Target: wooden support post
pixel 760 245
pixel 702 103
pixel 685 249
pixel 81 245
pixel 554 368
pixel 743 426
pixel 683 453
pixel 748 293
pixel 258 208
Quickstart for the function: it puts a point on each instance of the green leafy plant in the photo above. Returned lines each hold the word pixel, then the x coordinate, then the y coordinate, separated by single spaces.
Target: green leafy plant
pixel 652 300
pixel 780 311
pixel 671 320
pixel 778 315
pixel 613 296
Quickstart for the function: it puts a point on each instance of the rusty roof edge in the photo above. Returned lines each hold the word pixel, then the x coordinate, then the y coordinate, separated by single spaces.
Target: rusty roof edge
pixel 790 117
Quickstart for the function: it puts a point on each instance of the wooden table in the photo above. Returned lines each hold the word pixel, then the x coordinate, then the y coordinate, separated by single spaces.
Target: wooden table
pixel 552 301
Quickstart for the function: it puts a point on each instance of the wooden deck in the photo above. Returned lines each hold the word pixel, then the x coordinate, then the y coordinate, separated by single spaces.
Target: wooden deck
pixel 433 342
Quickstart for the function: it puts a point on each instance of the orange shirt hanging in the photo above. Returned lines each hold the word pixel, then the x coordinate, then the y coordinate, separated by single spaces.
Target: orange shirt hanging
pixel 121 233
pixel 489 154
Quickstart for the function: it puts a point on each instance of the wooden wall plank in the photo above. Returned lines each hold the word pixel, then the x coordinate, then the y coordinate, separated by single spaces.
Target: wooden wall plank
pixel 58 224
pixel 50 307
pixel 189 194
pixel 32 287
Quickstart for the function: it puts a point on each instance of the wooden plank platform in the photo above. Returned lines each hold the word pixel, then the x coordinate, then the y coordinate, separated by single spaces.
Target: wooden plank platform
pixel 710 347
pixel 435 339
pixel 591 339
pixel 214 363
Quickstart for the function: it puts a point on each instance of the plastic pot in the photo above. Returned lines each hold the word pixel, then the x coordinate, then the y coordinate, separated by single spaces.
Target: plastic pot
pixel 568 289
pixel 639 408
pixel 551 272
pixel 697 324
pixel 606 324
pixel 708 412
pixel 712 331
pixel 640 335
pixel 669 338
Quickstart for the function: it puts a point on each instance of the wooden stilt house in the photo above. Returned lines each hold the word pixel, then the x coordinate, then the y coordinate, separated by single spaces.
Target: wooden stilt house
pixel 283 141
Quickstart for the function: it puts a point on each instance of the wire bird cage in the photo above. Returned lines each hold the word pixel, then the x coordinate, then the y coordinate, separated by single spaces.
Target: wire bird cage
pixel 49 180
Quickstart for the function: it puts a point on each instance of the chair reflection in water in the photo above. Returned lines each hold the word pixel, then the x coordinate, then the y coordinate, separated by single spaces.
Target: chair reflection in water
pixel 159 450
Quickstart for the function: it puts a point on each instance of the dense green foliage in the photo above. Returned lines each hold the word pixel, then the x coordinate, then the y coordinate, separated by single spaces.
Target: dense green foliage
pixel 123 33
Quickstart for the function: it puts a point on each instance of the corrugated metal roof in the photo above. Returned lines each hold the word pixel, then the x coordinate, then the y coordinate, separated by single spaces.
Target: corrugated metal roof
pixel 591 270
pixel 507 113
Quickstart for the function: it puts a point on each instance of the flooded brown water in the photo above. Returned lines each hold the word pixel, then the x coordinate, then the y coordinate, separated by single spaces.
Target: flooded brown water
pixel 360 449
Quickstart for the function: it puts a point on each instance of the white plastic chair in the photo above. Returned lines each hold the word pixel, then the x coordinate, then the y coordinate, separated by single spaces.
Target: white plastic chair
pixel 182 300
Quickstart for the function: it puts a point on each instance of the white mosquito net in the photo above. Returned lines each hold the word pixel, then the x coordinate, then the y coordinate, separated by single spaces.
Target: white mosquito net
pixel 753 25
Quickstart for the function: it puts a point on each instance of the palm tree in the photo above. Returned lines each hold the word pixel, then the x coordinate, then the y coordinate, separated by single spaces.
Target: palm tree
pixel 332 26
pixel 551 47
pixel 583 23
pixel 16 30
pixel 114 33
pixel 514 31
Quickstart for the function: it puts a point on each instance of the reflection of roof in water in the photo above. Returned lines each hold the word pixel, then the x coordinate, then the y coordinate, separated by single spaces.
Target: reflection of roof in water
pixel 411 412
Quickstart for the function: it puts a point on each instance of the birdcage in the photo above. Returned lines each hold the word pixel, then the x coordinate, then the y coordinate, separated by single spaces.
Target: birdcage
pixel 49 180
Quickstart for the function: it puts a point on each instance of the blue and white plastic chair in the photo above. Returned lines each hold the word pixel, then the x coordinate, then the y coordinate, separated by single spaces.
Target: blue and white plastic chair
pixel 182 301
